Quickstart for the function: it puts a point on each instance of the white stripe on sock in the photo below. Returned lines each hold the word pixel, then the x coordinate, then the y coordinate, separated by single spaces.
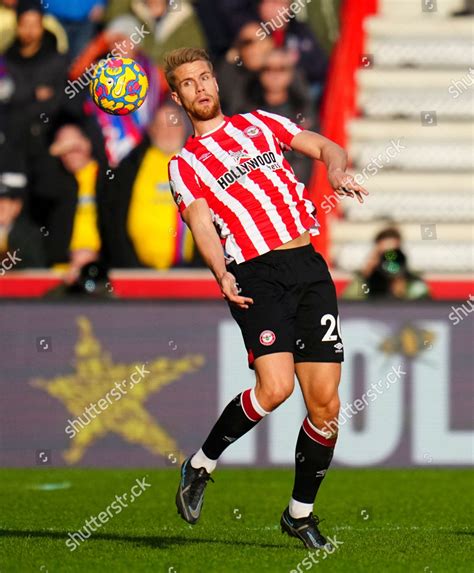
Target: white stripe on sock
pixel 256 405
pixel 326 435
pixel 298 509
pixel 200 460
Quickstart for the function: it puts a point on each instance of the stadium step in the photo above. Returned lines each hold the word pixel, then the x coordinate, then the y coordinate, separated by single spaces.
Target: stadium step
pixel 406 93
pixel 409 145
pixel 427 53
pixel 414 206
pixel 430 246
pixel 370 129
pixel 419 8
pixel 422 181
pixel 397 26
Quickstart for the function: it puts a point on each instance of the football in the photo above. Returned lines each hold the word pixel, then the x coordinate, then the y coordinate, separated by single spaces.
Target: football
pixel 119 86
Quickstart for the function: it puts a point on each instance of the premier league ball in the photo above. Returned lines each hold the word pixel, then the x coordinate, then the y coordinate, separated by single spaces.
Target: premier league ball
pixel 119 86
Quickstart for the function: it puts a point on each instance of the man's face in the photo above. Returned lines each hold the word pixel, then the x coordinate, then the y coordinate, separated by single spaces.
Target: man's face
pixel 197 91
pixel 277 73
pixel 252 49
pixel 9 210
pixel 167 130
pixel 388 244
pixel 30 28
pixel 157 7
pixel 72 147
pixel 272 9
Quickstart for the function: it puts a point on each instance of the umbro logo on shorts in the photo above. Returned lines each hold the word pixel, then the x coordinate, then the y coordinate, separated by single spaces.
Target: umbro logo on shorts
pixel 338 347
pixel 267 337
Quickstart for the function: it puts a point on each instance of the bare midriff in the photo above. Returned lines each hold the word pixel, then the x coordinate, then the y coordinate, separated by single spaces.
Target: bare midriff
pixel 300 241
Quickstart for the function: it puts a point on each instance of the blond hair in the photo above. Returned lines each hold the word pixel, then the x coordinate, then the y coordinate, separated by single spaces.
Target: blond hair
pixel 182 56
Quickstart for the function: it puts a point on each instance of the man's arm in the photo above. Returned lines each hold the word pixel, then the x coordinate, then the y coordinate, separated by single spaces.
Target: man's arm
pixel 334 157
pixel 198 218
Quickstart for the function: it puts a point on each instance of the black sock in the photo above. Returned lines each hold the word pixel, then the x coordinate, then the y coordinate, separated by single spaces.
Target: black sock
pixel 312 459
pixel 238 417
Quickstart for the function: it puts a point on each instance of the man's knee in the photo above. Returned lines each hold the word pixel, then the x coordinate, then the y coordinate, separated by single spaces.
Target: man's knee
pixel 325 410
pixel 273 392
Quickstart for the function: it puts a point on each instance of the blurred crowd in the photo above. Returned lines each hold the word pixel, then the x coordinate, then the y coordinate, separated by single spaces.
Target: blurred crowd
pixel 79 186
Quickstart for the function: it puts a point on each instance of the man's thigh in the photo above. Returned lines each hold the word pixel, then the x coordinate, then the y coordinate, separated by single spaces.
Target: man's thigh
pixel 268 326
pixel 317 327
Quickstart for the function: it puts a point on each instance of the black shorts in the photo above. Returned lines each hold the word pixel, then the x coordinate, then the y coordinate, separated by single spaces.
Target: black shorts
pixel 295 306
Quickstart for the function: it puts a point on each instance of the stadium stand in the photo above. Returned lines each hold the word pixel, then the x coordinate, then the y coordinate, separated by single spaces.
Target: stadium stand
pixel 413 88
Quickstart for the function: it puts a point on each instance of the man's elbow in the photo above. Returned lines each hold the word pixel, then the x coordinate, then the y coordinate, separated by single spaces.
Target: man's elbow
pixel 197 213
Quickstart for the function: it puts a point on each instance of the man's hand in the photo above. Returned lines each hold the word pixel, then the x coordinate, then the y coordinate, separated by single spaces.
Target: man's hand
pixel 345 185
pixel 230 291
pixel 44 93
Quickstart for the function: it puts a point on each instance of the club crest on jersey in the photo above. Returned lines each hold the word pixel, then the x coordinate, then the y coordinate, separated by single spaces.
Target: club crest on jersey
pixel 266 160
pixel 267 337
pixel 252 131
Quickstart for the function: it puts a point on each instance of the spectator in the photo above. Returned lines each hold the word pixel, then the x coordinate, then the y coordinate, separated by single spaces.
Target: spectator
pixel 121 133
pixel 281 89
pixel 279 21
pixel 240 67
pixel 79 18
pixel 20 241
pixel 38 74
pixel 74 150
pixel 386 274
pixel 7 23
pixel 92 282
pixel 8 27
pixel 141 224
pixel 170 24
pixel 221 22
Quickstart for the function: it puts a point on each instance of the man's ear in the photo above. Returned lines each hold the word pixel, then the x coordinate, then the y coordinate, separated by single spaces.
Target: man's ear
pixel 175 97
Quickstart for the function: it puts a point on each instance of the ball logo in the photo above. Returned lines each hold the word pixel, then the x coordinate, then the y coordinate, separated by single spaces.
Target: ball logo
pixel 267 337
pixel 252 131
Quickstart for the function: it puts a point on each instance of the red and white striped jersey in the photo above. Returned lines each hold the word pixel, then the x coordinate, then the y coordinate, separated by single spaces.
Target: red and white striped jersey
pixel 257 204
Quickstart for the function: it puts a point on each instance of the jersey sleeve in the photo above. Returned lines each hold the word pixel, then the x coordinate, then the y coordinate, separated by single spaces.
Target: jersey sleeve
pixel 283 128
pixel 184 183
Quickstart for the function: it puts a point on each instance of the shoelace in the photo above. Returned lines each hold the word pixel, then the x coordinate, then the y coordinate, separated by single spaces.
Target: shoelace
pixel 198 484
pixel 315 519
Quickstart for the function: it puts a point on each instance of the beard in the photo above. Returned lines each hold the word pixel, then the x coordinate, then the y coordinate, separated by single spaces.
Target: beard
pixel 203 113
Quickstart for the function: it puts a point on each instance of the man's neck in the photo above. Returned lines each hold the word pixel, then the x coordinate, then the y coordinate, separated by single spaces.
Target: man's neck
pixel 276 98
pixel 203 127
pixel 30 51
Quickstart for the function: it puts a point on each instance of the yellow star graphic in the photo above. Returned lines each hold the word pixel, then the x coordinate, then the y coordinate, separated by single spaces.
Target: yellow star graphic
pixel 95 376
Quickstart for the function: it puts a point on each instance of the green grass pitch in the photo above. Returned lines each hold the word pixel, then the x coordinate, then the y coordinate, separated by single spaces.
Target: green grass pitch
pixel 383 520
